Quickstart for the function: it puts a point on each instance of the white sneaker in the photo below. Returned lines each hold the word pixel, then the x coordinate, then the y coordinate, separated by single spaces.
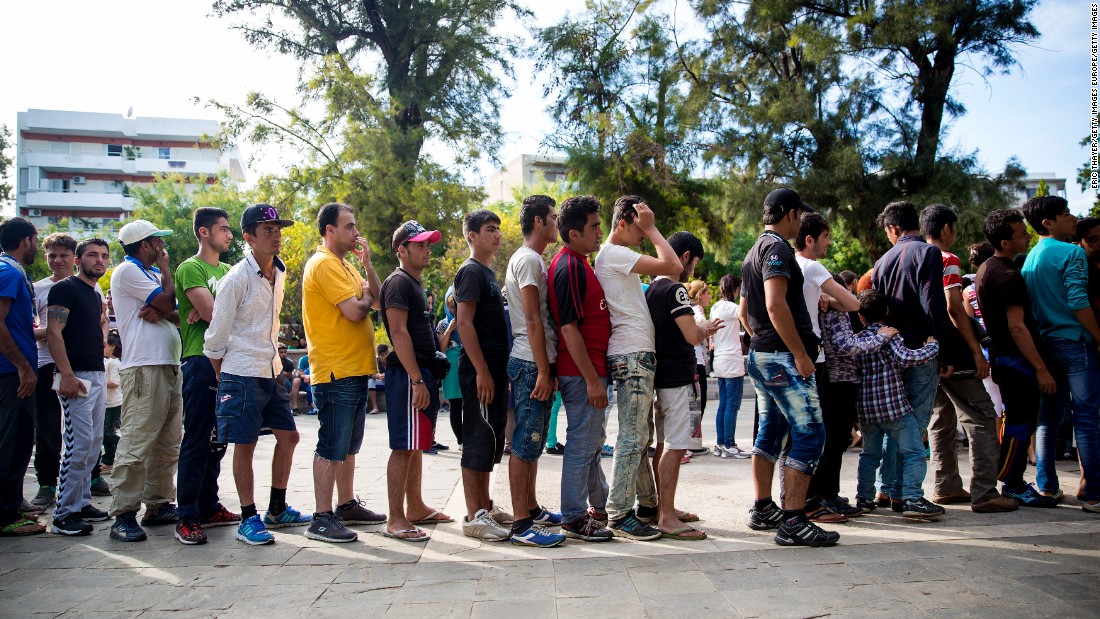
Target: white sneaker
pixel 499 515
pixel 483 527
pixel 717 451
pixel 736 453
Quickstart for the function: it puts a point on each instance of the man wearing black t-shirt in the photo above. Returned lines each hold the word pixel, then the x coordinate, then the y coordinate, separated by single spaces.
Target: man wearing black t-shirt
pixel 1015 362
pixel 678 415
pixel 482 375
pixel 412 394
pixel 74 333
pixel 781 365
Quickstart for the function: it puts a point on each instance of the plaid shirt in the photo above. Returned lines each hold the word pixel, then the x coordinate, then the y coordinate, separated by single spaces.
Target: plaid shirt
pixel 882 394
pixel 842 347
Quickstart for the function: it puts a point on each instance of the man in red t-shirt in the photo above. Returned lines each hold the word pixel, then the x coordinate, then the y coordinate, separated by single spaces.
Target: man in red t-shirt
pixel 579 309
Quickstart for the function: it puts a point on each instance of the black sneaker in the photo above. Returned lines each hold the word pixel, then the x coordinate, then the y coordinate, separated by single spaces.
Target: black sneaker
pixel 72 524
pixel 801 532
pixel 631 528
pixel 588 529
pixel 767 518
pixel 647 515
pixel 100 487
pixel 164 513
pixel 921 508
pixel 897 505
pixel 556 450
pixel 867 505
pixel 840 505
pixel 327 527
pixel 436 445
pixel 126 529
pixel 47 496
pixel 90 514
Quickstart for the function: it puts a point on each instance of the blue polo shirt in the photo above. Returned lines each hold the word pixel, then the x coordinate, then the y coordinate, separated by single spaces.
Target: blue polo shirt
pixel 1056 274
pixel 20 319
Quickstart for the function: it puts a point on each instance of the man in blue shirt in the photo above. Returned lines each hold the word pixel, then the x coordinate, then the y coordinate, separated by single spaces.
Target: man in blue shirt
pixel 1056 275
pixel 18 372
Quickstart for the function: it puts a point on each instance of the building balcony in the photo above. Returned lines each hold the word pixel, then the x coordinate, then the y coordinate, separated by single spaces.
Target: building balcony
pixel 77 201
pixel 78 163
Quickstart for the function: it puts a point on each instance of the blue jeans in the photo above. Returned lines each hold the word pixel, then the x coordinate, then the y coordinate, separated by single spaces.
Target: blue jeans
pixel 921 383
pixel 632 477
pixel 788 406
pixel 1053 410
pixel 200 457
pixel 582 479
pixel 905 434
pixel 730 391
pixel 1080 363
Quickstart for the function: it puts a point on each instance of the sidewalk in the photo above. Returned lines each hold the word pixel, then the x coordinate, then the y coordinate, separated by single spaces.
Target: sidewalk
pixel 1029 563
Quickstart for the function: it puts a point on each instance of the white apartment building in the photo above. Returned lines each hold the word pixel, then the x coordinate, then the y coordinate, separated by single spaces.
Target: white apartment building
pixel 81 165
pixel 1056 186
pixel 522 172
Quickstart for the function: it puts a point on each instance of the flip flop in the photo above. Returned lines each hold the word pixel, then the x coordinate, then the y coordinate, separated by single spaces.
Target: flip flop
pixel 436 517
pixel 679 534
pixel 686 516
pixel 420 536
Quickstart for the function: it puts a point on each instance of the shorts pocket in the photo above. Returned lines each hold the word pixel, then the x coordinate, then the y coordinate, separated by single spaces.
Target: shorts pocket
pixel 231 398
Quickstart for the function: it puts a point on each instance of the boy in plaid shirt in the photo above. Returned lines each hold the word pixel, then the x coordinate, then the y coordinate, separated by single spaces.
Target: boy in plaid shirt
pixel 884 410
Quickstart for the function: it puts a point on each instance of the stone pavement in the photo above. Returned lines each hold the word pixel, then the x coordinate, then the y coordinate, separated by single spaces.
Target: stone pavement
pixel 1030 563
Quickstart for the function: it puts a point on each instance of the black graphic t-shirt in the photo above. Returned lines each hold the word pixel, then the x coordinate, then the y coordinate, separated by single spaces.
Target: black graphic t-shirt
pixel 770 257
pixel 667 301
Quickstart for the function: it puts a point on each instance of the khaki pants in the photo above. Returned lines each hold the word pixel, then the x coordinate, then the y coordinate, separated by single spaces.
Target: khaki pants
pixel 149 438
pixel 964 399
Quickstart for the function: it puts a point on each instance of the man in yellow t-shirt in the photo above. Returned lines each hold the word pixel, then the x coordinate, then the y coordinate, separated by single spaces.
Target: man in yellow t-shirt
pixel 336 304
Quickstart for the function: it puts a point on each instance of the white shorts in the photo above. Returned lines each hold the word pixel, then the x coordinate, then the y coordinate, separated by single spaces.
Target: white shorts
pixel 678 418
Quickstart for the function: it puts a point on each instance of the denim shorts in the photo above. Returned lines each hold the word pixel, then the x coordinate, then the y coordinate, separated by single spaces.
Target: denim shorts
pixel 788 405
pixel 246 404
pixel 532 416
pixel 342 412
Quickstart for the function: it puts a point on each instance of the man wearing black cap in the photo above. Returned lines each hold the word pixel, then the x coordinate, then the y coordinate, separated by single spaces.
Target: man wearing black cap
pixel 781 365
pixel 242 343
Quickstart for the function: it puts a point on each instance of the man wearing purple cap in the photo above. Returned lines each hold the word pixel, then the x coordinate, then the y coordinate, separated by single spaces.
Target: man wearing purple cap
pixel 144 296
pixel 242 344
pixel 412 393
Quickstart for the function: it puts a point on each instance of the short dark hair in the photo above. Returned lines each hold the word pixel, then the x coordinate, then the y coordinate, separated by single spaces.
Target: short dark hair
pixel 998 225
pixel 207 216
pixel 684 241
pixel 873 305
pixel 979 253
pixel 1084 225
pixel 12 232
pixel 133 248
pixel 727 285
pixel 1043 207
pixel 574 214
pixel 813 225
pixel 848 277
pixel 328 214
pixel 474 220
pixel 86 242
pixel 534 206
pixel 933 218
pixel 61 240
pixel 115 340
pixel 901 214
pixel 250 229
pixel 624 209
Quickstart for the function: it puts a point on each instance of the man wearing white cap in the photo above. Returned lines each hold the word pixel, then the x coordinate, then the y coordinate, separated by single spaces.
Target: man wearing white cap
pixel 144 297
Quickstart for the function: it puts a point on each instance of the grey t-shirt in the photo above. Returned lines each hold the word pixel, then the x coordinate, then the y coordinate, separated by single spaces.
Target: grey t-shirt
pixel 527 268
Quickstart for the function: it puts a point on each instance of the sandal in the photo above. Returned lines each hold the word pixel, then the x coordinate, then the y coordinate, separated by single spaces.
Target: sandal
pixel 681 534
pixel 686 516
pixel 417 535
pixel 22 526
pixel 436 517
pixel 824 514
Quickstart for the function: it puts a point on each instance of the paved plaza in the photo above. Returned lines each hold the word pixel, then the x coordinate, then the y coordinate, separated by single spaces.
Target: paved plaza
pixel 1030 563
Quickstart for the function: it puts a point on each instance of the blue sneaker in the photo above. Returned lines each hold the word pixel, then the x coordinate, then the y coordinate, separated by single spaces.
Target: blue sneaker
pixel 548 518
pixel 253 532
pixel 1028 496
pixel 289 518
pixel 607 451
pixel 537 536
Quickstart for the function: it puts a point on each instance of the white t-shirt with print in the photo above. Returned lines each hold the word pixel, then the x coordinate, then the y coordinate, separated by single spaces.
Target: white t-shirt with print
pixel 631 326
pixel 815 275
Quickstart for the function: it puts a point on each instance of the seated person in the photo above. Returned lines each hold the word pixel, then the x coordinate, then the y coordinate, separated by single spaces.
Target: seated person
pixel 300 381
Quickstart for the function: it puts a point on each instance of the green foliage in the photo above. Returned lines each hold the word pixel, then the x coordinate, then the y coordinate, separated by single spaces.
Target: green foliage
pixel 1042 189
pixel 6 164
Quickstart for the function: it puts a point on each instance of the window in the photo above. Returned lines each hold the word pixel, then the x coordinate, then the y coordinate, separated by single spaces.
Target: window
pixel 59 148
pixel 59 185
pixel 164 152
pixel 177 164
pixel 114 150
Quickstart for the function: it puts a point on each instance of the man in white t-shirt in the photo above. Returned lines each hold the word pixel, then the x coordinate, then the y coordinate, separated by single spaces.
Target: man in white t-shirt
pixel 812 244
pixel 632 361
pixel 144 296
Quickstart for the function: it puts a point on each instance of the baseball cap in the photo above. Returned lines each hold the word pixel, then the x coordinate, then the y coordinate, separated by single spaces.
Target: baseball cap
pixel 261 213
pixel 413 232
pixel 139 230
pixel 780 201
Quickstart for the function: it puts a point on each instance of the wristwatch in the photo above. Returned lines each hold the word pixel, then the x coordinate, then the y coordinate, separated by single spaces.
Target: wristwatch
pixel 417 382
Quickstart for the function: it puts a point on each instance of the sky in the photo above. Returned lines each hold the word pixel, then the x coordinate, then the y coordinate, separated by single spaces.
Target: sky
pixel 158 57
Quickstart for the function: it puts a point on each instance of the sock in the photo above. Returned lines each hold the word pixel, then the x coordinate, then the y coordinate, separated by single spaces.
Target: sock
pixel 762 504
pixel 791 515
pixel 535 512
pixel 248 511
pixel 520 526
pixel 278 501
pixel 350 504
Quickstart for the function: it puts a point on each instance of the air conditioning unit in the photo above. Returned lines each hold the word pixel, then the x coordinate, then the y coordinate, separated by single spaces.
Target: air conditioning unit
pixel 79 180
pixel 35 212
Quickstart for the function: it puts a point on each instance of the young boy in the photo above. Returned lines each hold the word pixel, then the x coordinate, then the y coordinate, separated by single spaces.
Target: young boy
pixel 883 409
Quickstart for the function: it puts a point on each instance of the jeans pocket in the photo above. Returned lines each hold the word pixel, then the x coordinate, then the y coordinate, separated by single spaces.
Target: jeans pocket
pixel 776 376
